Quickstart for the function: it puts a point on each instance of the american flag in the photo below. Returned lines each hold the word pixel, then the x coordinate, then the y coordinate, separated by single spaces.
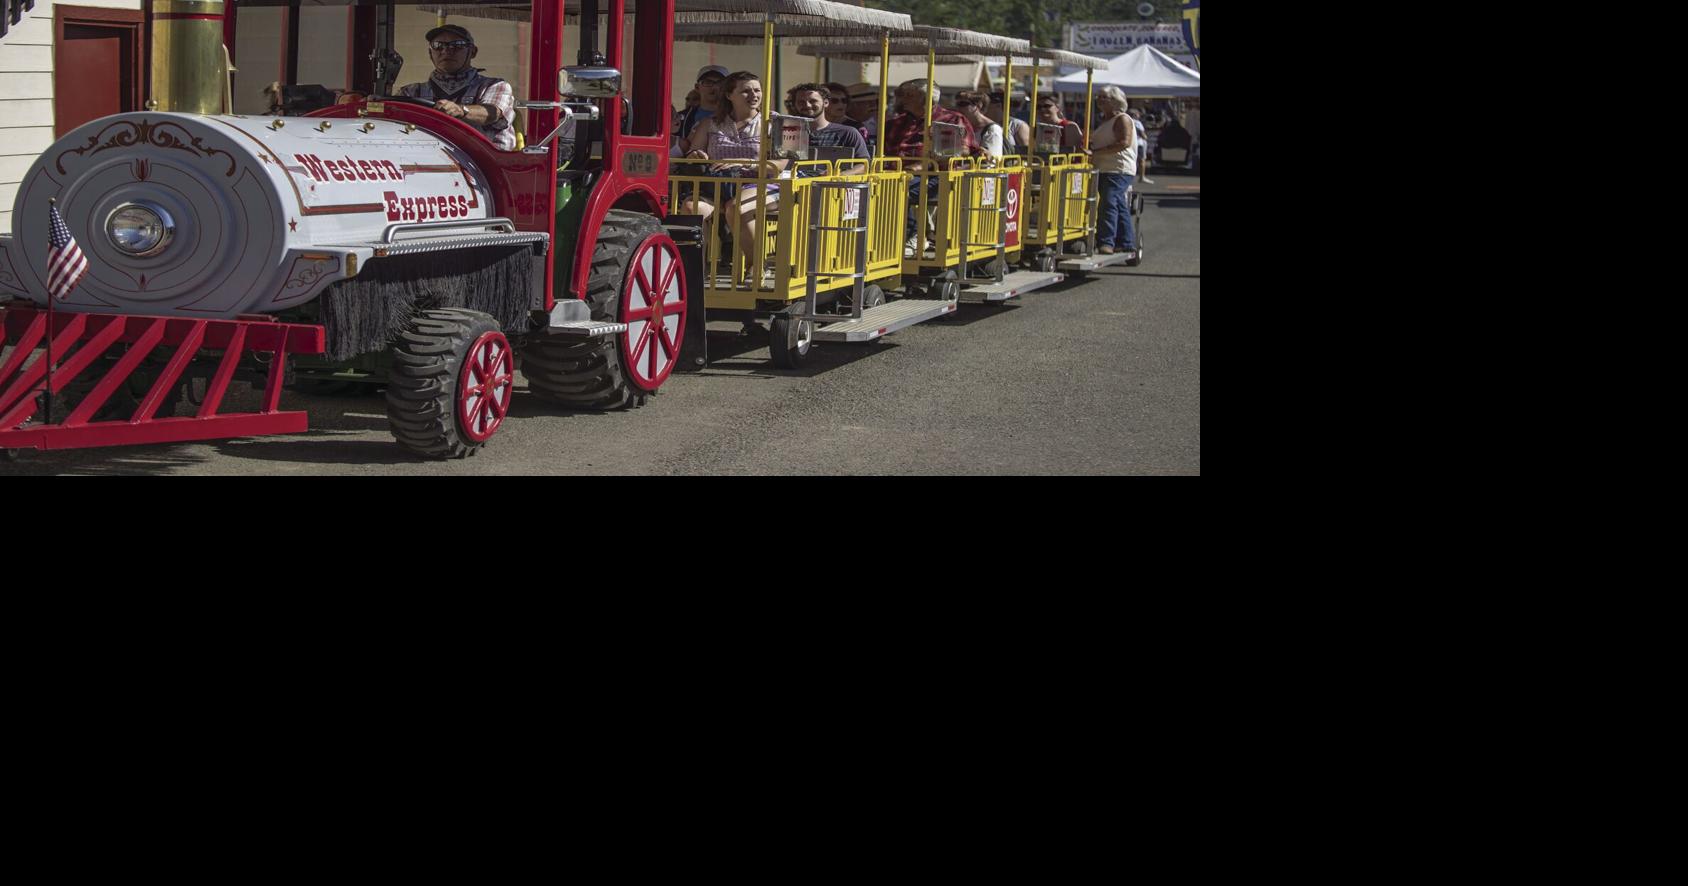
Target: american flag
pixel 65 262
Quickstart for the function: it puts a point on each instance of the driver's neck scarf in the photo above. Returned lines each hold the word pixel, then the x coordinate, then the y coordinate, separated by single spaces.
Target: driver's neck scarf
pixel 452 84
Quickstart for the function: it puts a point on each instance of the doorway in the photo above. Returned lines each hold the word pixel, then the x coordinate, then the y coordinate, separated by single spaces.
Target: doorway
pixel 97 64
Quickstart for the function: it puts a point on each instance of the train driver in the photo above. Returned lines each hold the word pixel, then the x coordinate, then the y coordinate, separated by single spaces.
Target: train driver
pixel 463 91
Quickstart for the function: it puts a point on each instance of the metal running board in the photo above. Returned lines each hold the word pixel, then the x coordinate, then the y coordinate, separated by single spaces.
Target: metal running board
pixel 1012 286
pixel 586 329
pixel 1092 262
pixel 444 244
pixel 884 320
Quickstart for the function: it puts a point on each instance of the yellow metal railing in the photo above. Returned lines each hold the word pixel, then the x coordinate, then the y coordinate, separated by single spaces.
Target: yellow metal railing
pixel 741 271
pixel 940 223
pixel 1059 182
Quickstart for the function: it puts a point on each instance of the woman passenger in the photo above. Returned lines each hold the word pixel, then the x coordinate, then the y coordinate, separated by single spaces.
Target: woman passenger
pixel 735 133
pixel 972 105
pixel 1049 111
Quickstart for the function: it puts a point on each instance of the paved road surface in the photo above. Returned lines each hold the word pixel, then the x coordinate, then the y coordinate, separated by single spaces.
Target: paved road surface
pixel 1100 376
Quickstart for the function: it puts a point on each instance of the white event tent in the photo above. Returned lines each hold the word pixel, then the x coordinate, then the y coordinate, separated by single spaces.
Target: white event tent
pixel 1144 72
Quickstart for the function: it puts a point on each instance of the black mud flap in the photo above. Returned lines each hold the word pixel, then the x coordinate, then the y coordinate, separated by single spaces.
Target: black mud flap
pixel 687 231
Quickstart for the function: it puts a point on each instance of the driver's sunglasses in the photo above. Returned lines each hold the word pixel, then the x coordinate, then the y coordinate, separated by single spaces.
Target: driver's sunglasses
pixel 455 44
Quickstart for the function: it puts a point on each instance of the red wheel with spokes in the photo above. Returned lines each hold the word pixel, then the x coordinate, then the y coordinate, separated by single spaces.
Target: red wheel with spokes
pixel 654 309
pixel 484 387
pixel 636 279
pixel 450 383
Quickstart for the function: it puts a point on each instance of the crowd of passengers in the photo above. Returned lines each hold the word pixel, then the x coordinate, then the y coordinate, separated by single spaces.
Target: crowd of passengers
pixel 722 123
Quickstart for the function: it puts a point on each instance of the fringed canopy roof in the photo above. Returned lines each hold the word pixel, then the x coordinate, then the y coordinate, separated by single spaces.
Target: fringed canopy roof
pixel 1072 59
pixel 789 12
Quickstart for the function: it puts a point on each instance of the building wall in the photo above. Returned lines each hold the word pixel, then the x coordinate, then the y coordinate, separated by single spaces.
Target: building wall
pixel 257 56
pixel 26 95
pixel 26 101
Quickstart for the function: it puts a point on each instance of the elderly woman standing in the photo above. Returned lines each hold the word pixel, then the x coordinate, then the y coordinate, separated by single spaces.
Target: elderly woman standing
pixel 1113 150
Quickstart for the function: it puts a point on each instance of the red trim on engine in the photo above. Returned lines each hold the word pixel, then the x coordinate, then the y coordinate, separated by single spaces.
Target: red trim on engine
pixel 612 189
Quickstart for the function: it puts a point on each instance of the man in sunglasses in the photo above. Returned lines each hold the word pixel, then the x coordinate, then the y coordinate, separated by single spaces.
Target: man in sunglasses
pixel 459 89
pixel 709 80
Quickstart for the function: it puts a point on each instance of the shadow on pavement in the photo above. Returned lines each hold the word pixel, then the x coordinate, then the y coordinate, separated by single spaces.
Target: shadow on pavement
pixel 729 350
pixel 324 450
pixel 101 462
pixel 968 313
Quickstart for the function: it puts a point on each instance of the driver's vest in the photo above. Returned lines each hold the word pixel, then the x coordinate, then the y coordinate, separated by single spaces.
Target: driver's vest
pixel 474 92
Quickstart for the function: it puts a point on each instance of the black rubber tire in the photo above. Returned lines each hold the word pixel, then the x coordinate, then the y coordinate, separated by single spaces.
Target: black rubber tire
pixel 995 268
pixel 590 375
pixel 947 286
pixel 1046 262
pixel 943 287
pixel 1137 228
pixel 422 383
pixel 786 345
pixel 873 295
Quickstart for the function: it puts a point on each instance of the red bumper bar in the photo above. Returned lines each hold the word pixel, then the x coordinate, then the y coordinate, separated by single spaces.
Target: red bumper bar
pixel 79 340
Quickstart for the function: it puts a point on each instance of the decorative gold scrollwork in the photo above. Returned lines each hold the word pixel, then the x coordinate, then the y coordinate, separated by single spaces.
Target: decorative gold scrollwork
pixel 157 134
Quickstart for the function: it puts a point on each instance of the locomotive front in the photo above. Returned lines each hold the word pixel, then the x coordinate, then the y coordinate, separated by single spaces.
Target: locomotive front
pixel 381 242
pixel 219 216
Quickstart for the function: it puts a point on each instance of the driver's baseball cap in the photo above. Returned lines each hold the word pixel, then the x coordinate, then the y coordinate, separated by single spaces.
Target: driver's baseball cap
pixel 458 30
pixel 706 70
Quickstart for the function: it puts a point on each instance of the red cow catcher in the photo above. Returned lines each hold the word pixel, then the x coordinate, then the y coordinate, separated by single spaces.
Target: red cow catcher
pixel 81 344
pixel 560 254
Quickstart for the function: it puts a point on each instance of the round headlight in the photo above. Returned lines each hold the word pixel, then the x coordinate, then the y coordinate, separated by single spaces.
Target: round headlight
pixel 140 229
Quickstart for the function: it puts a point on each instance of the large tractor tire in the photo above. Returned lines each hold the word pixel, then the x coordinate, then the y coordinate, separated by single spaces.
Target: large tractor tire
pixel 451 382
pixel 618 371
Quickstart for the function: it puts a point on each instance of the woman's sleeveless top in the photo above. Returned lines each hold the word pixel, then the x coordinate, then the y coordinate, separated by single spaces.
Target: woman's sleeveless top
pixel 731 140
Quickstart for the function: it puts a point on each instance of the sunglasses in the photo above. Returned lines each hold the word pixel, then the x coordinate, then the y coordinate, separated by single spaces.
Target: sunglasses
pixel 455 44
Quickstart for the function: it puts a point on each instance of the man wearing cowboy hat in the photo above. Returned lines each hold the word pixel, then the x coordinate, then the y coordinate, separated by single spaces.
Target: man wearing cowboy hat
pixel 459 89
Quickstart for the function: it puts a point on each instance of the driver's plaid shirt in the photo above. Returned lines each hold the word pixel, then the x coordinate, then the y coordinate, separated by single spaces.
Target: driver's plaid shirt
pixel 481 90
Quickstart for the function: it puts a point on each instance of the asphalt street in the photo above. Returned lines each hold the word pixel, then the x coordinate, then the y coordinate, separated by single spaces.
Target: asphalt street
pixel 1100 376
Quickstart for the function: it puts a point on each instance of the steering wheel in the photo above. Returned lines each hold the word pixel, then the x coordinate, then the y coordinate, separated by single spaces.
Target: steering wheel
pixel 403 100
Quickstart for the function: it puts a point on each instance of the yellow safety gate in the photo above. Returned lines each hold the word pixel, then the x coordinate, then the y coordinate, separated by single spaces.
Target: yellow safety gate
pixel 968 209
pixel 1063 194
pixel 774 267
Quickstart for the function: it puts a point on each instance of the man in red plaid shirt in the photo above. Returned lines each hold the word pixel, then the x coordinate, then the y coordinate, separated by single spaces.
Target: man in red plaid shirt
pixel 905 136
pixel 905 133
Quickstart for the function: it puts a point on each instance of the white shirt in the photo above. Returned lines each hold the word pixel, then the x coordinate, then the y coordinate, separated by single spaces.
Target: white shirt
pixel 1111 144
